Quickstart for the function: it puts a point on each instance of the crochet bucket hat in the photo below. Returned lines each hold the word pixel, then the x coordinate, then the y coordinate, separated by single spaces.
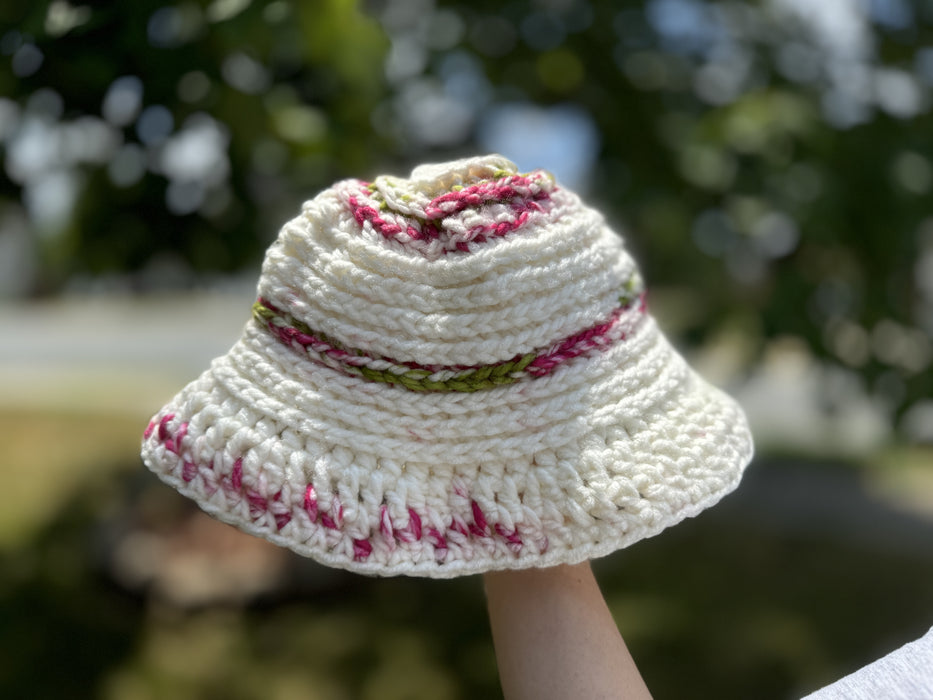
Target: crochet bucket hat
pixel 445 375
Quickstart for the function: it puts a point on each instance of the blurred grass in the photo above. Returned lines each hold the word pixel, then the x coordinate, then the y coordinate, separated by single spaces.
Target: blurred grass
pixel 725 605
pixel 47 456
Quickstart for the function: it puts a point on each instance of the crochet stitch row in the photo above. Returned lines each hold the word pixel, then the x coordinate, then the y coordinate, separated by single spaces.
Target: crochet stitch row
pixel 304 508
pixel 417 377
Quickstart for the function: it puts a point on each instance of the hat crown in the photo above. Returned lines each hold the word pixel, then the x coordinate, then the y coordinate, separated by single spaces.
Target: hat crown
pixel 464 263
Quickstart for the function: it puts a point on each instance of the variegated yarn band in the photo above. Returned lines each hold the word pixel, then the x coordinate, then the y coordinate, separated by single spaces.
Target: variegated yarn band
pixel 517 196
pixel 448 374
pixel 416 377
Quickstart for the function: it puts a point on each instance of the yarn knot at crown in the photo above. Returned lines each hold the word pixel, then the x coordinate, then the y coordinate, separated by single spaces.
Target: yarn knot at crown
pixel 433 179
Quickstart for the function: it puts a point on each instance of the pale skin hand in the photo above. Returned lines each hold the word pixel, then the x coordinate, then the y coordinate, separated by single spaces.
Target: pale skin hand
pixel 556 639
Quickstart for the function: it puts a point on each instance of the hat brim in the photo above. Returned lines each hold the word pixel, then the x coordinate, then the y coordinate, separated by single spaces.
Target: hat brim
pixel 606 451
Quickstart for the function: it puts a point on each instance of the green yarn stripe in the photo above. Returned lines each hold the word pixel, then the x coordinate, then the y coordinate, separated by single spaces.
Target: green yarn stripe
pixel 420 378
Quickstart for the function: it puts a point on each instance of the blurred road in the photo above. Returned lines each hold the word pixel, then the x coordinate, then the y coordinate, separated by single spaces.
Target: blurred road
pixel 113 353
pixel 122 352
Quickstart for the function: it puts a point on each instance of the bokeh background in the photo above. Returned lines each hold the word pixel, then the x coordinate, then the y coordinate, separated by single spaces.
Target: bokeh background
pixel 770 163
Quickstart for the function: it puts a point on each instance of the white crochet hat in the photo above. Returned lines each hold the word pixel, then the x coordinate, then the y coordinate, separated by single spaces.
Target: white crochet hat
pixel 446 375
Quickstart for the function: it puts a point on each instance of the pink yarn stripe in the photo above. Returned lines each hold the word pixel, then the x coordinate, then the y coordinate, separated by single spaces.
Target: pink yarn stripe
pixel 163 427
pixel 362 549
pixel 188 471
pixel 460 527
pixel 480 526
pixel 282 519
pixel 512 538
pixel 173 443
pixel 391 534
pixel 363 213
pixel 598 337
pixel 385 526
pixel 292 336
pixel 475 196
pixel 414 523
pixel 260 507
pixel 437 540
pixel 523 192
pixel 480 234
pixel 311 503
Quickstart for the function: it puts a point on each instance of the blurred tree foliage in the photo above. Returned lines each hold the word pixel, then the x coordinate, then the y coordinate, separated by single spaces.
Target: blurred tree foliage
pixel 774 154
pixel 192 124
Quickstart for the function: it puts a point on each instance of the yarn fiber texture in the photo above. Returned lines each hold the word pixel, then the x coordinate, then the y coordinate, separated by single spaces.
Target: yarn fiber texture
pixel 449 374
